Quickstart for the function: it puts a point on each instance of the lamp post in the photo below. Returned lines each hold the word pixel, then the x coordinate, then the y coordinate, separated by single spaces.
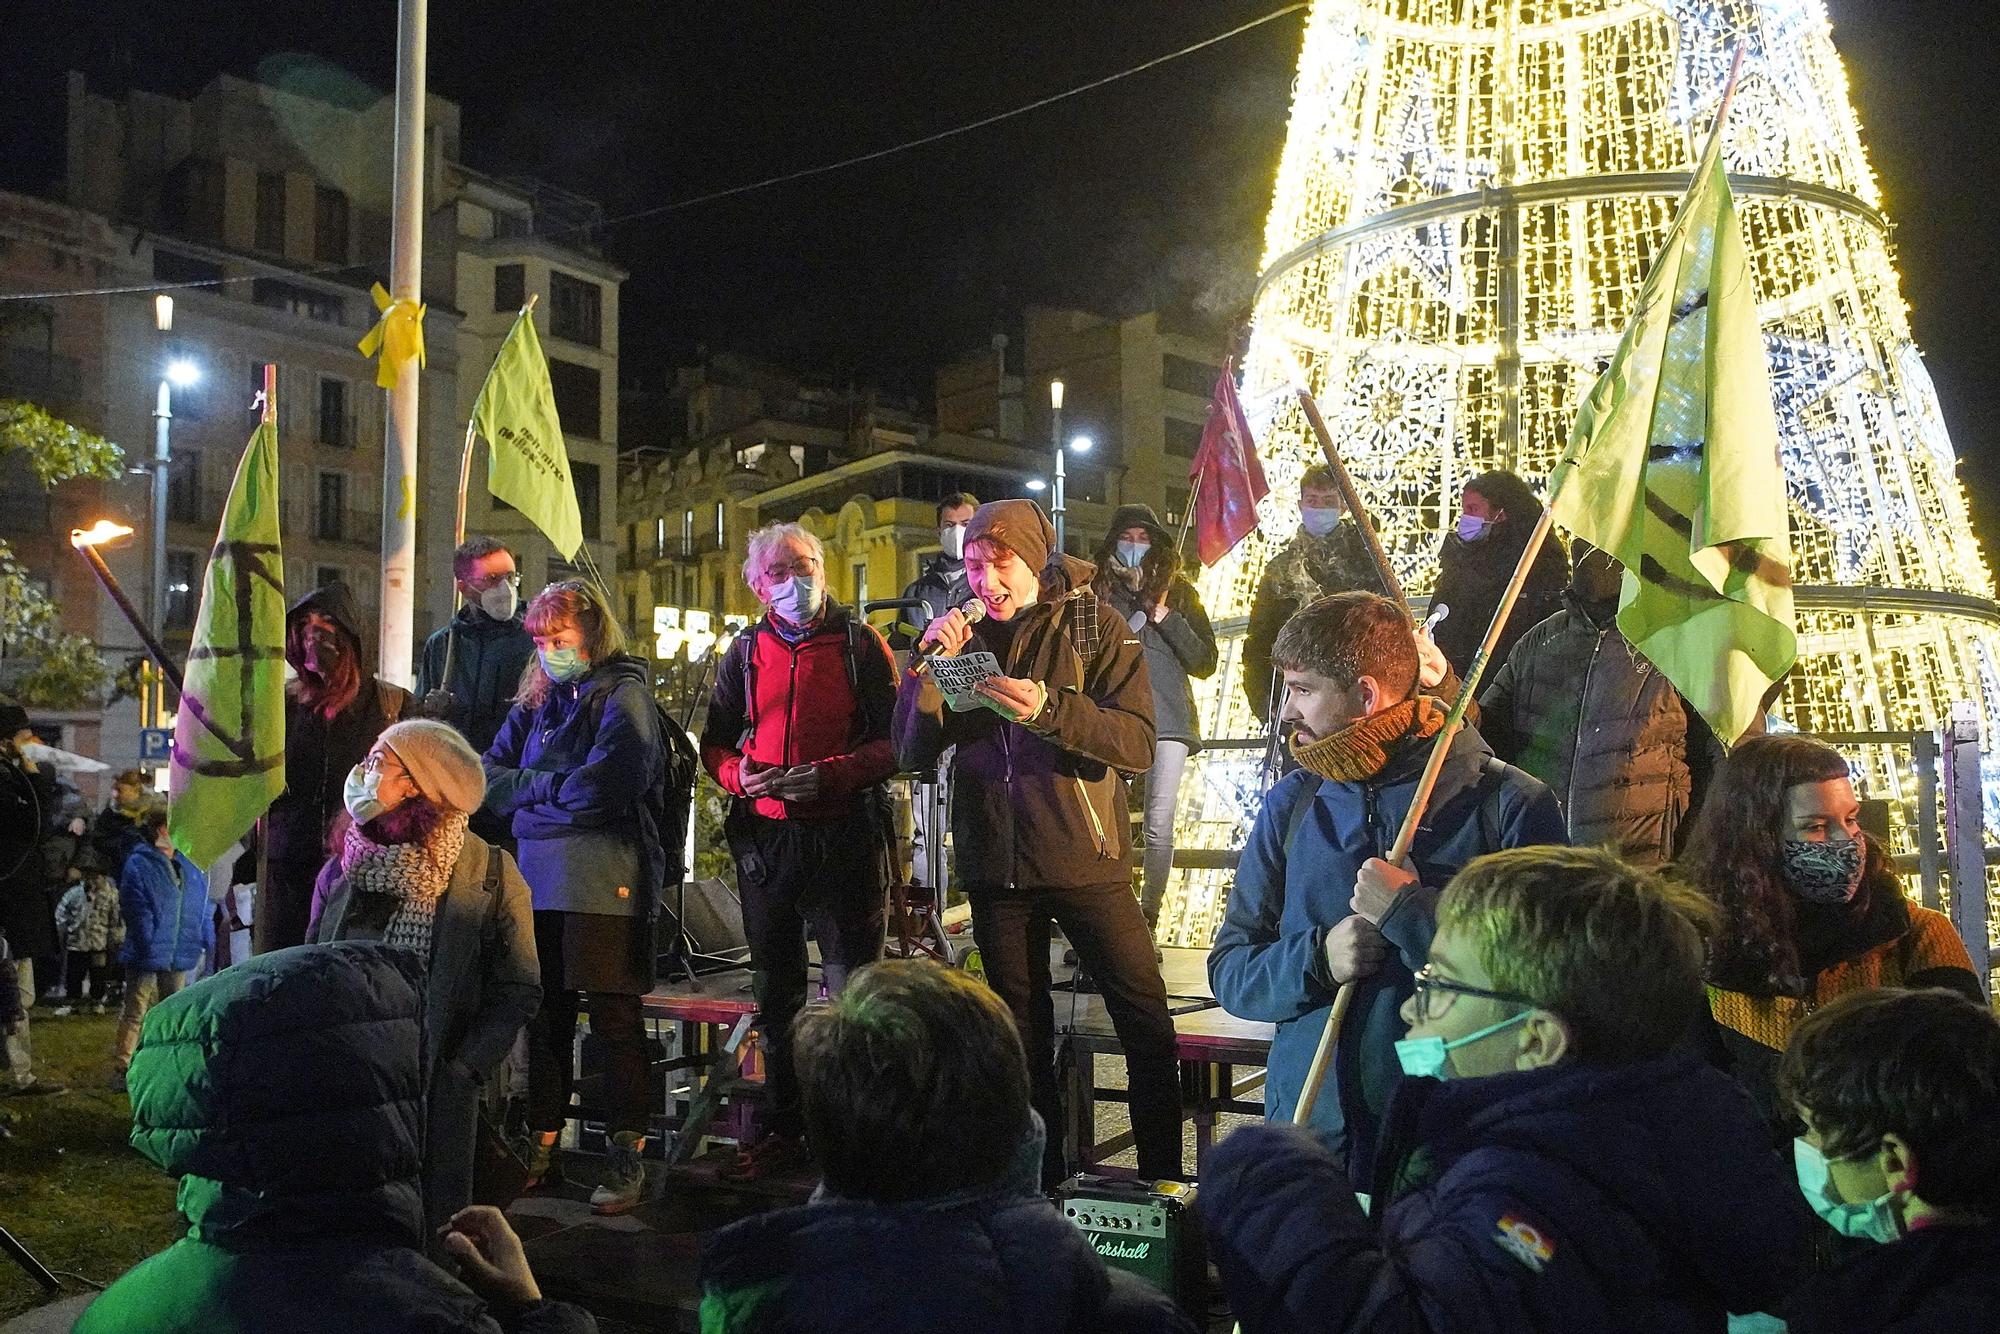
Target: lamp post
pixel 1055 436
pixel 177 372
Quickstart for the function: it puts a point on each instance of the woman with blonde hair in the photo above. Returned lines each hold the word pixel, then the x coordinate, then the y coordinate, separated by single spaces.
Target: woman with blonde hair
pixel 571 769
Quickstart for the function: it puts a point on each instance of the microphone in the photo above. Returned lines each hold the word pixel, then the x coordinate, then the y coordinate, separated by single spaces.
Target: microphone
pixel 974 612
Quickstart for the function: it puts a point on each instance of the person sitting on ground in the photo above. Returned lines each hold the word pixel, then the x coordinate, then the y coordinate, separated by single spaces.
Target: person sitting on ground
pixel 1900 1095
pixel 1810 907
pixel 915 1090
pixel 286 1093
pixel 410 873
pixel 1559 1157
pixel 1314 905
pixel 164 899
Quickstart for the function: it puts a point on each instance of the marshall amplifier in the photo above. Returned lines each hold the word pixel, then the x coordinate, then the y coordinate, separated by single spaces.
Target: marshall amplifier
pixel 1145 1227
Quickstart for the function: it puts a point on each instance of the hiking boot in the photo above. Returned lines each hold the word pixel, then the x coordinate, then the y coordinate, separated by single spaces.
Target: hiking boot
pixel 545 1165
pixel 773 1155
pixel 625 1180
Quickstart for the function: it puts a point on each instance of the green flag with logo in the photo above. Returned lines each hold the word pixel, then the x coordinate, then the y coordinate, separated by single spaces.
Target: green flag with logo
pixel 528 464
pixel 1676 470
pixel 228 760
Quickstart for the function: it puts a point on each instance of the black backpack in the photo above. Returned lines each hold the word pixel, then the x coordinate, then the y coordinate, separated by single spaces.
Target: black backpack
pixel 672 798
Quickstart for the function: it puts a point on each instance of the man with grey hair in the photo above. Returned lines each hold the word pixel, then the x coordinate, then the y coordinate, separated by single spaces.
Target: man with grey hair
pixel 798 735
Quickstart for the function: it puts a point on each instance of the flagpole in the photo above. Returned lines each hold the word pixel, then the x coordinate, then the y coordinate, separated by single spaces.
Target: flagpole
pixel 263 861
pixel 1565 469
pixel 1352 499
pixel 1187 513
pixel 399 454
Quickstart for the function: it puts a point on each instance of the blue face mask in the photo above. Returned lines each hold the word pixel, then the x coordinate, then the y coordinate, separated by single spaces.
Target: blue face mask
pixel 1319 522
pixel 1131 554
pixel 1471 528
pixel 362 794
pixel 1873 1221
pixel 1424 1058
pixel 563 664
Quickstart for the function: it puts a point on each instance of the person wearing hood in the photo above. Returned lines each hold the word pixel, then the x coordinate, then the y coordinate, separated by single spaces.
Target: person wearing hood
pixel 1327 555
pixel 572 770
pixel 287 1095
pixel 1497 513
pixel 798 736
pixel 941 585
pixel 1039 814
pixel 470 667
pixel 334 710
pixel 1810 907
pixel 916 1100
pixel 1558 1157
pixel 1139 577
pixel 1314 905
pixel 410 872
pixel 1899 1093
pixel 164 899
pixel 1576 705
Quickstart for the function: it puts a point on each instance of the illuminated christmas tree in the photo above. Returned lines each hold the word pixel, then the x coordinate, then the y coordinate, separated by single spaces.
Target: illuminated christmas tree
pixel 1469 198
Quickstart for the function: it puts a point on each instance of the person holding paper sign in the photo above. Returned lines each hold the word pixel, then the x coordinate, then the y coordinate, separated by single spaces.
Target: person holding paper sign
pixel 1039 805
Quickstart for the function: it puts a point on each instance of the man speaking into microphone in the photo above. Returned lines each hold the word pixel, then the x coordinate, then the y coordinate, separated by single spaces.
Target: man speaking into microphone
pixel 1039 813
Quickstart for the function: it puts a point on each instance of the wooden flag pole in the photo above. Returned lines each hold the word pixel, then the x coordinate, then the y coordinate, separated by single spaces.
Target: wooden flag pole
pixel 1352 499
pixel 1187 514
pixel 260 892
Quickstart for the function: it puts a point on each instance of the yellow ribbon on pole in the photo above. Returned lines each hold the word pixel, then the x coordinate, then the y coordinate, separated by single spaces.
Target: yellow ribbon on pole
pixel 398 335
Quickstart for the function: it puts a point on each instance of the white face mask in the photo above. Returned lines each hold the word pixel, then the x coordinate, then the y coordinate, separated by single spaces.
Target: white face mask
pixel 797 600
pixel 951 538
pixel 1132 554
pixel 1320 522
pixel 500 600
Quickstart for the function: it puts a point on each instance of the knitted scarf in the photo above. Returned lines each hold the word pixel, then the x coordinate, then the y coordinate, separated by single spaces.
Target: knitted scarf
pixel 414 874
pixel 1360 750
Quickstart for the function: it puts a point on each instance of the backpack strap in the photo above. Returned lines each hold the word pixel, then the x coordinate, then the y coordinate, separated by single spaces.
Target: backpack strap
pixel 493 855
pixel 1295 819
pixel 1493 778
pixel 389 698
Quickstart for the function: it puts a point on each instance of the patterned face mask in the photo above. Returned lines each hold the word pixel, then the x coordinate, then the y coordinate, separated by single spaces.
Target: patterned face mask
pixel 1823 872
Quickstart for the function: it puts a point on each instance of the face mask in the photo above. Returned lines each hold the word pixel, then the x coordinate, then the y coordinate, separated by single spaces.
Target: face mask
pixel 500 600
pixel 362 795
pixel 952 538
pixel 797 600
pixel 1827 872
pixel 1873 1221
pixel 1318 523
pixel 563 664
pixel 1131 554
pixel 1471 527
pixel 1424 1058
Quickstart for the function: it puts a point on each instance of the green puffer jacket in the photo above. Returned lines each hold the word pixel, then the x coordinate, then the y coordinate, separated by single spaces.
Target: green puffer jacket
pixel 1578 708
pixel 287 1095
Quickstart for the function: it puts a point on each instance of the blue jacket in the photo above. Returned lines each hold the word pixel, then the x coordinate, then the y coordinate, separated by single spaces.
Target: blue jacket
pixel 575 776
pixel 1577 1198
pixel 1268 961
pixel 485 670
pixel 1937 1280
pixel 168 924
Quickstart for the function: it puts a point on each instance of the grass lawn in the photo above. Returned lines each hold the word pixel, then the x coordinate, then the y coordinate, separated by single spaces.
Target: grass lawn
pixel 71 1189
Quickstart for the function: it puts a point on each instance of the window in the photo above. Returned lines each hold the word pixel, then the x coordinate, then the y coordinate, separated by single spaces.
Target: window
pixel 1183 438
pixel 331 520
pixel 659 537
pixel 335 426
pixel 631 546
pixel 271 211
pixel 578 401
pixel 182 595
pixel 171 266
pixel 1177 503
pixel 184 488
pixel 329 224
pixel 585 477
pixel 576 310
pixel 687 533
pixel 721 532
pixel 303 301
pixel 328 574
pixel 1189 376
pixel 510 286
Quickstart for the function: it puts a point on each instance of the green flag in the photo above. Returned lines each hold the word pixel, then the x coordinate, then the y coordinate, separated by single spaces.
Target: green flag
pixel 527 462
pixel 1676 470
pixel 228 760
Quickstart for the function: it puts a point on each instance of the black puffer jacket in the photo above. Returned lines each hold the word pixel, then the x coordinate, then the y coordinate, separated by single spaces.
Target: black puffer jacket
pixel 1044 805
pixel 1578 708
pixel 287 1094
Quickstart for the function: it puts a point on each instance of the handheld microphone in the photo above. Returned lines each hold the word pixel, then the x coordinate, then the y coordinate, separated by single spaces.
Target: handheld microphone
pixel 974 612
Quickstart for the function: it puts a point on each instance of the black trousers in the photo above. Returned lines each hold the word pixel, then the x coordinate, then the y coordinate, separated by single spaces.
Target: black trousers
pixel 1109 932
pixel 97 967
pixel 614 1020
pixel 831 873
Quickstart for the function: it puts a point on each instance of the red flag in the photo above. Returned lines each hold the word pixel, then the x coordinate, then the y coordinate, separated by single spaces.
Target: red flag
pixel 1228 479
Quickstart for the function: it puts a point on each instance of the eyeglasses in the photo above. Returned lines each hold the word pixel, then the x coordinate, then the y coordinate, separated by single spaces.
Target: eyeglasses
pixel 374 761
pixel 495 580
pixel 1429 984
pixel 802 567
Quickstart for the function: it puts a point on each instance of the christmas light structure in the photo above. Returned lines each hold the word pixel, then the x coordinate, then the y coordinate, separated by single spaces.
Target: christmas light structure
pixel 1470 194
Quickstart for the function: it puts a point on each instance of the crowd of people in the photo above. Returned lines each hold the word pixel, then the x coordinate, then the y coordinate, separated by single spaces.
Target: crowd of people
pixel 1643 1033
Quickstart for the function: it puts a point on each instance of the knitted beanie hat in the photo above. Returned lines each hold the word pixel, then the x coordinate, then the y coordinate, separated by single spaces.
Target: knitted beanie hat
pixel 1018 525
pixel 443 764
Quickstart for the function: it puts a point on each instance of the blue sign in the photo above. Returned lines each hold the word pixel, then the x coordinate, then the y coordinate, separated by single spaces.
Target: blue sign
pixel 155 744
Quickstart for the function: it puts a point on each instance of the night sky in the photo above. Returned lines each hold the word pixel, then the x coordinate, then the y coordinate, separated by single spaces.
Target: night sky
pixel 1149 191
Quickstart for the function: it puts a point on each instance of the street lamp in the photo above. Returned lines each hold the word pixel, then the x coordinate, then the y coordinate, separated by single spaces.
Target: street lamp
pixel 1055 437
pixel 179 372
pixel 1037 485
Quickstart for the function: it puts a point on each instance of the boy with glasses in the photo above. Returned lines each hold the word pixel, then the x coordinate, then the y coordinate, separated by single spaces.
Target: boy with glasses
pixel 1557 1158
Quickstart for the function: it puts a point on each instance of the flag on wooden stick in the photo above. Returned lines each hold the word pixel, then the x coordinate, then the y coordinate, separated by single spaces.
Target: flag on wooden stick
pixel 527 461
pixel 1228 480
